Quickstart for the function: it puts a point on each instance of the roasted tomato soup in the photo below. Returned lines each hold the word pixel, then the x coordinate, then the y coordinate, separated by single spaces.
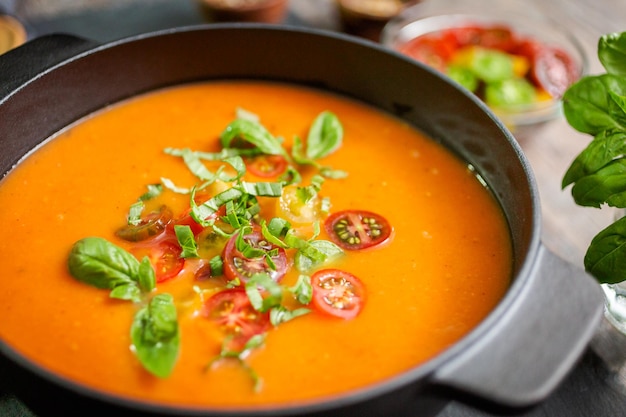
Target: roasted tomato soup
pixel 238 243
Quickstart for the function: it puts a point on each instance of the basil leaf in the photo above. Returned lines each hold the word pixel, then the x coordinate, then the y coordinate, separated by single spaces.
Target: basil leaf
pixel 605 147
pixel 147 276
pixel 281 314
pixel 612 53
pixel 588 106
pixel 254 133
pixel 315 254
pixel 100 263
pixel 129 291
pixel 606 256
pixel 273 292
pixel 607 185
pixel 325 136
pixel 187 241
pixel 155 335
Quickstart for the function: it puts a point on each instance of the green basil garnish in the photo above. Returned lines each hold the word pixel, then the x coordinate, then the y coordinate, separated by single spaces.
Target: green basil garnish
pixel 315 254
pixel 100 263
pixel 263 292
pixel 155 335
pixel 281 314
pixel 254 133
pixel 325 136
pixel 187 241
pixel 302 290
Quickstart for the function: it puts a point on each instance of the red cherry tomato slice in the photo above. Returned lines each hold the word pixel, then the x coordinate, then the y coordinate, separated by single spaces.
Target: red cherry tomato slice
pixel 337 293
pixel 495 37
pixel 431 50
pixel 164 254
pixel 358 229
pixel 266 166
pixel 238 266
pixel 232 311
pixel 553 70
pixel 151 225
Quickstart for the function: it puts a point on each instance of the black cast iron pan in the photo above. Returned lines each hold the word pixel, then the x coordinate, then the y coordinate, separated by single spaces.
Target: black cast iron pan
pixel 512 360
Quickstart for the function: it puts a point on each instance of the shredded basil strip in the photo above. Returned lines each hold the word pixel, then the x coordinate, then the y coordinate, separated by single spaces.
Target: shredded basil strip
pixel 281 314
pixel 254 342
pixel 134 214
pixel 325 136
pixel 187 241
pixel 262 189
pixel 154 190
pixel 217 266
pixel 303 290
pixel 200 213
pixel 315 254
pixel 246 249
pixel 216 156
pixel 169 184
pixel 271 297
pixel 155 335
pixel 100 263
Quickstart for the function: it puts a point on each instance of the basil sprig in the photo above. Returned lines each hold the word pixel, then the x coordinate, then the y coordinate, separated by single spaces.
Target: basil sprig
pixel 100 263
pixel 325 137
pixel 155 335
pixel 596 105
pixel 154 331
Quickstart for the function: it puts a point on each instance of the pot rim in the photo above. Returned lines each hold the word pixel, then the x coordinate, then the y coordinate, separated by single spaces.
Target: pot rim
pixel 521 278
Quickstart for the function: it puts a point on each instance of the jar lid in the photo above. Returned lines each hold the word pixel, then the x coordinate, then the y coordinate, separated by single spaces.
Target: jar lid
pixel 12 33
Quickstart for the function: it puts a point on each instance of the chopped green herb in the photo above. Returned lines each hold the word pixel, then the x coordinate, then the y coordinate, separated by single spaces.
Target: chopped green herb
pixel 155 335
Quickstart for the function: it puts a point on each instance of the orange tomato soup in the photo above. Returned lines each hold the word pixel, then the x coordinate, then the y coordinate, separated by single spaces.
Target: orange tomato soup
pixel 447 265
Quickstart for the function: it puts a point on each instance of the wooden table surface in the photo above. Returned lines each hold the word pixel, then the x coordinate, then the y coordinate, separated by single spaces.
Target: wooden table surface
pixel 597 386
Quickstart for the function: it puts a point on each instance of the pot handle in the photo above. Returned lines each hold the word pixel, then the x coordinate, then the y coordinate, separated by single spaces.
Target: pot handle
pixel 534 344
pixel 23 63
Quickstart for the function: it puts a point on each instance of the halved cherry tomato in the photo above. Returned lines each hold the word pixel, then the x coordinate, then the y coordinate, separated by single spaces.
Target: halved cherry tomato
pixel 433 51
pixel 337 293
pixel 187 220
pixel 496 37
pixel 237 266
pixel 151 225
pixel 266 166
pixel 357 229
pixel 553 70
pixel 164 254
pixel 232 311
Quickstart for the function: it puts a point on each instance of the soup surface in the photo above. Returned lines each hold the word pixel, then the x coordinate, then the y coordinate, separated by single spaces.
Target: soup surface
pixel 441 270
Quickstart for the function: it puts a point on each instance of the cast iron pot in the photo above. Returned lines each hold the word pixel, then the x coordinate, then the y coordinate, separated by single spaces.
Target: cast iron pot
pixel 512 360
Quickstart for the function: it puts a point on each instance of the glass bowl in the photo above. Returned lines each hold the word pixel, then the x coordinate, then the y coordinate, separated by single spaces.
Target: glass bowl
pixel 542 53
